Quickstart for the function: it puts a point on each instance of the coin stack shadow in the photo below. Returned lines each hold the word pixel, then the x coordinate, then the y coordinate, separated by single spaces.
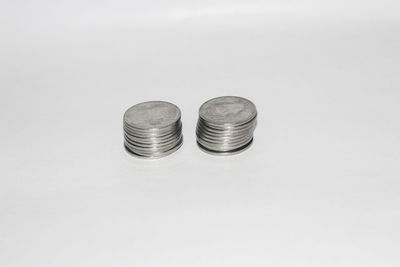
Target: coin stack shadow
pixel 152 129
pixel 226 125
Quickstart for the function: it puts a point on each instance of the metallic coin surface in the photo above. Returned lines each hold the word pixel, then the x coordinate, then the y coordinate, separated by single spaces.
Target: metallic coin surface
pixel 152 129
pixel 228 110
pixel 226 125
pixel 152 114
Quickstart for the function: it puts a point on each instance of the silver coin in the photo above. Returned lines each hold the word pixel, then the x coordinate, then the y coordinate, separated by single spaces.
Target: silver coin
pixel 151 150
pixel 154 135
pixel 156 154
pixel 225 153
pixel 228 110
pixel 152 129
pixel 152 115
pixel 226 125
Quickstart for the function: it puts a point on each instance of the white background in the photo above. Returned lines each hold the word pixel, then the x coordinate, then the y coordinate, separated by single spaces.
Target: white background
pixel 319 187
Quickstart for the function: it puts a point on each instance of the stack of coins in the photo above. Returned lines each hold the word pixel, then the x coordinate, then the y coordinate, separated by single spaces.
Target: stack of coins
pixel 226 125
pixel 152 129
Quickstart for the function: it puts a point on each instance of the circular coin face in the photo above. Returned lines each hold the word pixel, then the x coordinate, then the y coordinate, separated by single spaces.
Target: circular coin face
pixel 228 110
pixel 152 114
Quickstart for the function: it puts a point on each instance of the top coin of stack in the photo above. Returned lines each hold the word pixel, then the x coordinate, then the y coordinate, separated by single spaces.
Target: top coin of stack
pixel 152 129
pixel 226 125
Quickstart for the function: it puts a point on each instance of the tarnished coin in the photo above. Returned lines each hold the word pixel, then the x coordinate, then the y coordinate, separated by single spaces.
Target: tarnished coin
pixel 226 125
pixel 152 129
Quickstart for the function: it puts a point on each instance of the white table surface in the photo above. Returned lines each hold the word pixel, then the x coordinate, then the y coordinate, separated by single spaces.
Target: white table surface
pixel 319 187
